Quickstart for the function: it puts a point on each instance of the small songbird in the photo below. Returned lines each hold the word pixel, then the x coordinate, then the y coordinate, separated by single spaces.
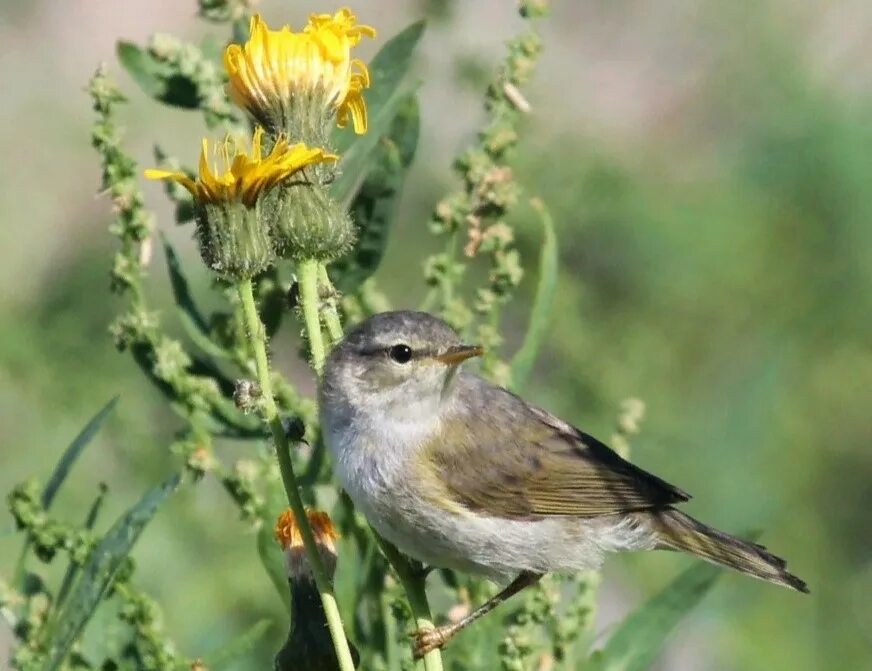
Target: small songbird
pixel 460 473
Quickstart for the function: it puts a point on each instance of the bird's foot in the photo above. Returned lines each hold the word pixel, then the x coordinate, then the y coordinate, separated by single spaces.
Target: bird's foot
pixel 427 640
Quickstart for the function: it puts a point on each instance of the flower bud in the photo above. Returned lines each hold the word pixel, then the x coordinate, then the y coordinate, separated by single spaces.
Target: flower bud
pixel 307 223
pixel 235 241
pixel 309 645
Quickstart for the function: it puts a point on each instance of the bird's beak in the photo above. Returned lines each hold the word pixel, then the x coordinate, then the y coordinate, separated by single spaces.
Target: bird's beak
pixel 459 353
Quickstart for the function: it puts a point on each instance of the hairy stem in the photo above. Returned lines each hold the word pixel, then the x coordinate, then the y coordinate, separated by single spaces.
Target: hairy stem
pixel 331 316
pixel 257 336
pixel 413 581
pixel 310 299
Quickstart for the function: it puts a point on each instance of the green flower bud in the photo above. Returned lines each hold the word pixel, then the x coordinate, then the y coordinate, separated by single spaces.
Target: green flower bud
pixel 233 241
pixel 233 234
pixel 308 224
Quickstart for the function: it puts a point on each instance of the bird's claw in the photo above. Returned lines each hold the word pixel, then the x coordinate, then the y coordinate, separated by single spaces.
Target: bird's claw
pixel 427 640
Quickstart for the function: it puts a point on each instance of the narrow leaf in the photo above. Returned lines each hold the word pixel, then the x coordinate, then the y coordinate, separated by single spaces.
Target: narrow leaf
pixel 181 291
pixel 241 645
pixel 374 205
pixel 388 69
pixel 192 319
pixel 99 571
pixel 72 453
pixel 642 635
pixel 72 571
pixel 543 304
pixel 157 79
pixel 224 418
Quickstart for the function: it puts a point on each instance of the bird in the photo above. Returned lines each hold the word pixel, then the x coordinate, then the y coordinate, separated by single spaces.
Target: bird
pixel 460 473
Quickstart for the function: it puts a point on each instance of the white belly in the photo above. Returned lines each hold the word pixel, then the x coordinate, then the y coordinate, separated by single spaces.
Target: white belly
pixel 374 467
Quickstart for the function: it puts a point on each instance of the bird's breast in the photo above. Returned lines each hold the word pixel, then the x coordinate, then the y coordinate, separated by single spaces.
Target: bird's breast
pixel 375 459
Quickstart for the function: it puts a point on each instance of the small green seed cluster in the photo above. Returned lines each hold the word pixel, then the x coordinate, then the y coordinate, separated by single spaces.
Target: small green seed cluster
pixel 149 648
pixel 478 209
pixel 527 627
pixel 190 64
pixel 133 224
pixel 222 11
pixel 138 329
pixel 47 535
pixel 34 608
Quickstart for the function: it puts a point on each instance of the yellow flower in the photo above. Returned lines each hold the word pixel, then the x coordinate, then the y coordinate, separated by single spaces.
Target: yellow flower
pixel 243 177
pixel 233 224
pixel 277 74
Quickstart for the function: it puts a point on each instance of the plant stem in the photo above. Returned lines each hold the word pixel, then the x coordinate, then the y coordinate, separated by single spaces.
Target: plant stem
pixel 21 565
pixel 413 582
pixel 331 316
pixel 307 276
pixel 391 658
pixel 257 336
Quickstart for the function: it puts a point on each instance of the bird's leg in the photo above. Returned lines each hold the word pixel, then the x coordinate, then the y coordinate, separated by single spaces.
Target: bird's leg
pixel 431 639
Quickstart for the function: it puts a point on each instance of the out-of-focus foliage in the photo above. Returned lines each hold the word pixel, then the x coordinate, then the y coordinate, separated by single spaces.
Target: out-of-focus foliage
pixel 707 172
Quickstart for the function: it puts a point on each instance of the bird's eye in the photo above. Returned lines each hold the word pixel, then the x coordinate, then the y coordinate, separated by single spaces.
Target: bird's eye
pixel 400 353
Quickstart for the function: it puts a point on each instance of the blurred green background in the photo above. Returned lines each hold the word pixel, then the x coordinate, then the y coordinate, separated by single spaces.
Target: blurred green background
pixel 709 166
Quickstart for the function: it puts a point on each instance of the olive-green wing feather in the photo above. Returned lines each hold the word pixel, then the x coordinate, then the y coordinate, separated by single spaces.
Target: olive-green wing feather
pixel 499 455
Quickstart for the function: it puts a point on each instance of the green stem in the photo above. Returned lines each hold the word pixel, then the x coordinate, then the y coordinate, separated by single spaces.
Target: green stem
pixel 21 565
pixel 331 315
pixel 391 657
pixel 257 336
pixel 413 584
pixel 307 276
pixel 412 581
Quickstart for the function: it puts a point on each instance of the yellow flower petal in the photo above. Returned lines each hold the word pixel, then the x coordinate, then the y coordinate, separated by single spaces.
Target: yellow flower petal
pixel 244 176
pixel 273 66
pixel 174 175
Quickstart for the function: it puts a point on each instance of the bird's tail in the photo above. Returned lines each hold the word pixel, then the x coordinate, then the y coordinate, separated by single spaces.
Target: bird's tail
pixel 677 531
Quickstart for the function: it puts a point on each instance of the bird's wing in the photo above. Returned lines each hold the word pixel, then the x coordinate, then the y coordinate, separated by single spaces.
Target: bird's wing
pixel 508 459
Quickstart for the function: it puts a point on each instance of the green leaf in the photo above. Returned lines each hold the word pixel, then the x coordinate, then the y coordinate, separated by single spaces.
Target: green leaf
pixel 99 571
pixel 157 79
pixel 223 418
pixel 387 70
pixel 192 319
pixel 543 304
pixel 237 647
pixel 72 453
pixel 374 205
pixel 640 638
pixel 72 571
pixel 181 292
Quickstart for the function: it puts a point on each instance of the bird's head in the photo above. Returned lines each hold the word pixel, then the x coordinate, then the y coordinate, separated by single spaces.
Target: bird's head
pixel 397 361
